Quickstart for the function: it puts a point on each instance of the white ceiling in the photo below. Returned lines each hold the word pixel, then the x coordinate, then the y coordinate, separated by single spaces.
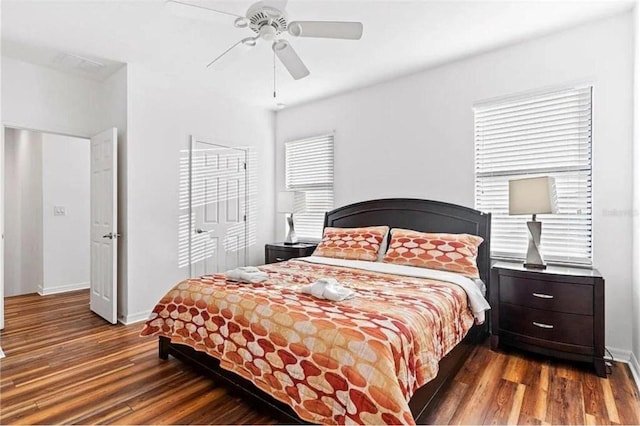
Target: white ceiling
pixel 400 37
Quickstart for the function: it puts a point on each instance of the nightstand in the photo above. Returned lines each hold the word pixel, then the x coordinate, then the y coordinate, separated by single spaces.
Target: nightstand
pixel 279 252
pixel 558 311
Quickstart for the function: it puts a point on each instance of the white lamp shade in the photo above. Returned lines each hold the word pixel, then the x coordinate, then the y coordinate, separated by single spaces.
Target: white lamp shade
pixel 291 202
pixel 285 202
pixel 533 196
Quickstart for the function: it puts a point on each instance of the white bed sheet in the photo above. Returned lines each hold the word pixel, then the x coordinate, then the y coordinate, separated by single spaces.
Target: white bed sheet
pixel 477 302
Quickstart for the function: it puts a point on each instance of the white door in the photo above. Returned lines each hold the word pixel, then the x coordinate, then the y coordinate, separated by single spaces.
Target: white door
pixel 218 208
pixel 104 225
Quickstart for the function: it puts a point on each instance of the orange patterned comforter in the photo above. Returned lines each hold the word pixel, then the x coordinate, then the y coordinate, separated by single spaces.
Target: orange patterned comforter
pixel 357 361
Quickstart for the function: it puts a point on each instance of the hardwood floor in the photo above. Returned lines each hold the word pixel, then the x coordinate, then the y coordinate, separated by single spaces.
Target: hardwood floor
pixel 66 365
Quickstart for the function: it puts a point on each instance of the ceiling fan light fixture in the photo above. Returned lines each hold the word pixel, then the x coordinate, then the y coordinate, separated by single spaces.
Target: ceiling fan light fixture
pixel 268 33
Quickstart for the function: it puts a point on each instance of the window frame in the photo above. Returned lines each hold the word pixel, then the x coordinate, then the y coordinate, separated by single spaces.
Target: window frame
pixel 310 218
pixel 574 178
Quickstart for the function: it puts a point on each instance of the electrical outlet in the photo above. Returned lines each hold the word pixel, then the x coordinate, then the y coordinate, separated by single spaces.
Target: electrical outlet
pixel 59 211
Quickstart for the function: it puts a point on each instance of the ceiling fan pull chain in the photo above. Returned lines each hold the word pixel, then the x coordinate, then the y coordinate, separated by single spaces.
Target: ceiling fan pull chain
pixel 274 76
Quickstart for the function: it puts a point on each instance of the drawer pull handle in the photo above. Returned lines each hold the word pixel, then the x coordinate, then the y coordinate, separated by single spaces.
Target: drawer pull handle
pixel 541 325
pixel 542 295
pixel 279 259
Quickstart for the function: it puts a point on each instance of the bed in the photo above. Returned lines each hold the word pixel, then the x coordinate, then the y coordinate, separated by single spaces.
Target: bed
pixel 252 377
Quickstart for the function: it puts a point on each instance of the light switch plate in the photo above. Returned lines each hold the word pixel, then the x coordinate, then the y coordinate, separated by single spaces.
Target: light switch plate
pixel 59 211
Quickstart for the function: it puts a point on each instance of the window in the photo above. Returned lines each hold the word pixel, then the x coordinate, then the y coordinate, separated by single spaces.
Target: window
pixel 547 134
pixel 309 169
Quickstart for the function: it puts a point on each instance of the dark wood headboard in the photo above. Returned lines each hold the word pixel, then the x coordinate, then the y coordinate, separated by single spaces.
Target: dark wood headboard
pixel 419 215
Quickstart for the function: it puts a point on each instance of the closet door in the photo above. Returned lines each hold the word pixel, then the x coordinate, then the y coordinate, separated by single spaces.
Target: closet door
pixel 218 206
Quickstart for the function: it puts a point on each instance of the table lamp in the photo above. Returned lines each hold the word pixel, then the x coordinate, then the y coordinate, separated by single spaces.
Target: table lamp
pixel 533 196
pixel 290 202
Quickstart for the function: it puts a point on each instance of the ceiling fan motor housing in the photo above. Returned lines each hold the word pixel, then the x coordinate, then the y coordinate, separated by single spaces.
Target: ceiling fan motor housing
pixel 260 15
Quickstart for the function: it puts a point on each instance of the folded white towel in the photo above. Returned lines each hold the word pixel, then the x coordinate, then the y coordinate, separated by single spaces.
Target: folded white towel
pixel 328 288
pixel 247 274
pixel 248 269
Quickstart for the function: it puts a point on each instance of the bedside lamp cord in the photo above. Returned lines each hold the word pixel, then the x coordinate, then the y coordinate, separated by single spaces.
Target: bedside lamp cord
pixel 609 362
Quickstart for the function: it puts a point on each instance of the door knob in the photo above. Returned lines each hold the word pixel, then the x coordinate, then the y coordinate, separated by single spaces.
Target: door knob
pixel 111 235
pixel 200 231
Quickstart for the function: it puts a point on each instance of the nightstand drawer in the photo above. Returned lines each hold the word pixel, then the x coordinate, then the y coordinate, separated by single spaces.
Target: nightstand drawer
pixel 547 325
pixel 279 255
pixel 547 295
pixel 280 252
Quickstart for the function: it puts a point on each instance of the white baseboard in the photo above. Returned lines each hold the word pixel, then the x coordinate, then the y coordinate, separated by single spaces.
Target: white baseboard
pixel 630 359
pixel 63 288
pixel 133 318
pixel 621 355
pixel 635 369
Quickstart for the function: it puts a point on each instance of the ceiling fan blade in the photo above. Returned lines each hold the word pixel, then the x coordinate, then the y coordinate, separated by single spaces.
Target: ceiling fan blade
pixel 189 10
pixel 232 54
pixel 290 59
pixel 326 29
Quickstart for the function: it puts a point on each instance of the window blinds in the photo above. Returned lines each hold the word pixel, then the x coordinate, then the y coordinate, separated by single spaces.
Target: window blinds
pixel 309 169
pixel 548 134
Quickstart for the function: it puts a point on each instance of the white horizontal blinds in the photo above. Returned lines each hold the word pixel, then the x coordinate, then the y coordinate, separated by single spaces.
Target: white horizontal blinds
pixel 309 169
pixel 548 134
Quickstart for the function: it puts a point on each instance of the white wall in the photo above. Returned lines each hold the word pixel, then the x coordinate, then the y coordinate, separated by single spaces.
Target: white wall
pixel 39 98
pixel 12 217
pixel 163 111
pixel 66 176
pixel 413 137
pixel 46 253
pixel 635 319
pixel 23 271
pixel 1 206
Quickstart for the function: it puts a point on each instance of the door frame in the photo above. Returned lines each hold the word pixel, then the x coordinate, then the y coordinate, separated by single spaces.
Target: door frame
pixel 193 140
pixel 3 127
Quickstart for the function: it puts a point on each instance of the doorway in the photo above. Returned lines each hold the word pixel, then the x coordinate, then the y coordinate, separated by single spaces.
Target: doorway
pixel 59 216
pixel 218 207
pixel 47 212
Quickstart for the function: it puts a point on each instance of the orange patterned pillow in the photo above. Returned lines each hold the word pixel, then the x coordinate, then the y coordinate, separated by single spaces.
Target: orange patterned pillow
pixel 446 252
pixel 352 243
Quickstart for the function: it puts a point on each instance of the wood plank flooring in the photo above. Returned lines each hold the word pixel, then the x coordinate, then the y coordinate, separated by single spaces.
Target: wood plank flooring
pixel 65 365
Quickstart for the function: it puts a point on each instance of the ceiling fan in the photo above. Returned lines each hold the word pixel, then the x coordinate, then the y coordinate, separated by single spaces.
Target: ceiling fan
pixel 269 20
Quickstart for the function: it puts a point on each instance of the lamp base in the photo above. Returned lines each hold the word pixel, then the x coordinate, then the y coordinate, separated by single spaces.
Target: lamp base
pixel 291 238
pixel 534 258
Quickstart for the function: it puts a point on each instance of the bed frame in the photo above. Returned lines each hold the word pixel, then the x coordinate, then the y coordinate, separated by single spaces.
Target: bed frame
pixel 419 215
